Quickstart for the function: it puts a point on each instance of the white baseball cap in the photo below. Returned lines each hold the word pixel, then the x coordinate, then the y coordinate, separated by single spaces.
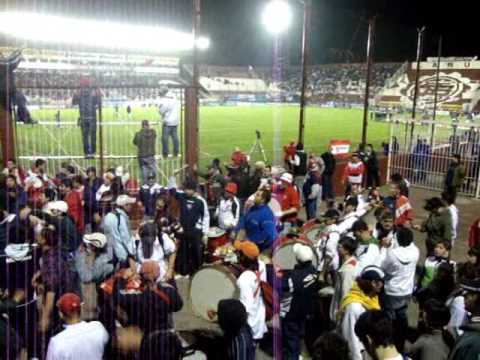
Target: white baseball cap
pixel 60 206
pixel 302 252
pixel 123 200
pixel 97 239
pixel 287 177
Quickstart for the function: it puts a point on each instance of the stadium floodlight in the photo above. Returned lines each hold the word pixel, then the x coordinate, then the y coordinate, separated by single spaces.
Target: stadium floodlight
pixel 110 35
pixel 277 16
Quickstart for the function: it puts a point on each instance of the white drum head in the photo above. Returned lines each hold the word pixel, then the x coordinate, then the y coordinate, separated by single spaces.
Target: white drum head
pixel 284 258
pixel 210 285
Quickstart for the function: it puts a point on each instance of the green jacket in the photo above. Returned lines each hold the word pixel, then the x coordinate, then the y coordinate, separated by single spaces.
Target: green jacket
pixel 439 226
pixel 145 141
pixel 468 345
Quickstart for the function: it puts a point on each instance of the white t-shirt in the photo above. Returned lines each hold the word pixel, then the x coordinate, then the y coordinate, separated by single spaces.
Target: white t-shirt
pixel 159 254
pixel 85 340
pixel 170 110
pixel 251 298
pixel 327 246
pixel 367 255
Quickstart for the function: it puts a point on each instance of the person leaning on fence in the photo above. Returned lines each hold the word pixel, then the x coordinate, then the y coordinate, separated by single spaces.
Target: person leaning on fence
pixel 170 111
pixel 145 140
pixel 88 100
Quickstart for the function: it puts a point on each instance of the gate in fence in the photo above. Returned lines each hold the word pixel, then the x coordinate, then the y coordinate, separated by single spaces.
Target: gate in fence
pixel 422 151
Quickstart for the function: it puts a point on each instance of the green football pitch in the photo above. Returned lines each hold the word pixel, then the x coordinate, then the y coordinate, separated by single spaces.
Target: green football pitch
pixel 221 129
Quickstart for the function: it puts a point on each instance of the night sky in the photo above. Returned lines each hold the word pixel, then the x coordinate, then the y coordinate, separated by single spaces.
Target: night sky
pixel 238 38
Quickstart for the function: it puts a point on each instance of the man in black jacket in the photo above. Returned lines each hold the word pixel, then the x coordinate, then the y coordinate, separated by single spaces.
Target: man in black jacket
pixel 327 175
pixel 299 287
pixel 373 169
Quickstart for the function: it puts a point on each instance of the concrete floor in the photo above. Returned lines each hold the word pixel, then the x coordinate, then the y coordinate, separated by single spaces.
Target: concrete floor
pixel 469 210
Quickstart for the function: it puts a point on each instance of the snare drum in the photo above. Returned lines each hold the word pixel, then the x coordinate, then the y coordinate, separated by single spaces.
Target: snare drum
pixel 283 256
pixel 311 229
pixel 211 284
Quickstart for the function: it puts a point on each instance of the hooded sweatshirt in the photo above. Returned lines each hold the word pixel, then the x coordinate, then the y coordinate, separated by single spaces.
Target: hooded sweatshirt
pixel 145 141
pixel 399 265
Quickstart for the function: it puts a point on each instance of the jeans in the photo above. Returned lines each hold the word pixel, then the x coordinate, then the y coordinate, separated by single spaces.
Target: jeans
pixel 327 187
pixel 311 208
pixel 396 307
pixel 148 167
pixel 89 136
pixel 169 131
pixel 292 334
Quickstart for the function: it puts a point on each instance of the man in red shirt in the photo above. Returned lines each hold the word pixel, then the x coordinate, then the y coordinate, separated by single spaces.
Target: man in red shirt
pixel 287 194
pixel 403 208
pixel 353 173
pixel 74 201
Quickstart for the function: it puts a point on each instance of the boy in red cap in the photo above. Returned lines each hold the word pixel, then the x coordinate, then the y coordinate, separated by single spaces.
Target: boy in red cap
pixel 80 340
pixel 228 210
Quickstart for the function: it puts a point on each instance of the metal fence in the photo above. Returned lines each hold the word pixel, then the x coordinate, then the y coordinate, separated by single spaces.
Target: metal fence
pixel 421 151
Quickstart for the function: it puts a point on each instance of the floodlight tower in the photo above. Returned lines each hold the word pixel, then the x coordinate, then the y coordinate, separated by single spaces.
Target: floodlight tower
pixel 277 18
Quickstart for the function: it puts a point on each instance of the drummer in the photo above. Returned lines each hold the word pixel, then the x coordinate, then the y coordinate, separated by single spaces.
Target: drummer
pixel 288 195
pixel 228 210
pixel 258 224
pixel 327 243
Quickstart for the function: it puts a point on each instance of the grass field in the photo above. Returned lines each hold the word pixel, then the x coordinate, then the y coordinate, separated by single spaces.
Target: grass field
pixel 221 129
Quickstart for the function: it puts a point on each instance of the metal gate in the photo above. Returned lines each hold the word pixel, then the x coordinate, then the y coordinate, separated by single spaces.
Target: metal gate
pixel 421 151
pixel 56 137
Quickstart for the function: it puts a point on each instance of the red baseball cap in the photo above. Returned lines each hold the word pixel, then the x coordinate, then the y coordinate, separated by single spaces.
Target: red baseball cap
pixel 231 188
pixel 69 303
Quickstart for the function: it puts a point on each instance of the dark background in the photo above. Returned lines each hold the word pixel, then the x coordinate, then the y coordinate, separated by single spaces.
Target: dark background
pixel 238 38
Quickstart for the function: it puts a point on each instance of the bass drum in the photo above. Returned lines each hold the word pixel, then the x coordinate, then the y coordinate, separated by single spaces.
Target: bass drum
pixel 311 229
pixel 283 256
pixel 211 284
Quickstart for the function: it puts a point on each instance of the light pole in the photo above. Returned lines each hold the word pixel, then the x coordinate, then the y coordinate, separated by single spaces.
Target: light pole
pixel 277 17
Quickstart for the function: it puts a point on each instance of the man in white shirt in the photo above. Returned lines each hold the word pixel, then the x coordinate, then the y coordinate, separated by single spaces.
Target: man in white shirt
pixel 249 286
pixel 399 265
pixel 449 198
pixel 228 210
pixel 80 340
pixel 368 251
pixel 169 108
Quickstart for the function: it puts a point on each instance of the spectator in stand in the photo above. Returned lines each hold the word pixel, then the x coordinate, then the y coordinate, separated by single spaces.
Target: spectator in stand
pixel 228 210
pixel 151 309
pixel 11 168
pixel 441 254
pixel 238 159
pixel 362 297
pixel 312 191
pixel 159 247
pixel 54 278
pixel 169 108
pixel 299 165
pixel 373 169
pixel 116 225
pixel 330 346
pixel 441 287
pixel 74 202
pixel 149 193
pixel 438 225
pixel 327 245
pixel 80 340
pixel 91 185
pixel 399 265
pixel 258 224
pixel 232 318
pixel 353 173
pixel 468 345
pixel 249 286
pixel 88 100
pixel 92 260
pixel 298 289
pixel 145 141
pixel 449 199
pixel 346 275
pixel 16 198
pixel 436 343
pixel 327 175
pixel 56 214
pixel 455 176
pixel 368 251
pixel 289 198
pixel 192 215
pixel 403 209
pixel 375 331
pixel 402 182
pixel 289 152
